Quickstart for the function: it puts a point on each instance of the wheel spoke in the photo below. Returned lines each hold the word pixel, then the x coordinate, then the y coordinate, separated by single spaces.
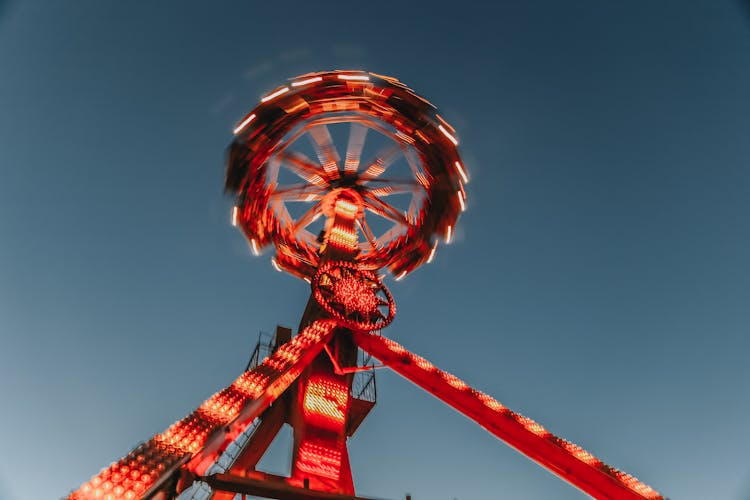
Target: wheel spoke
pixel 303 166
pixel 357 135
pixel 394 186
pixel 324 148
pixel 308 217
pixel 411 211
pixel 272 170
pixel 383 160
pixel 413 163
pixel 389 235
pixel 365 228
pixel 298 192
pixel 384 209
pixel 395 182
pixel 281 211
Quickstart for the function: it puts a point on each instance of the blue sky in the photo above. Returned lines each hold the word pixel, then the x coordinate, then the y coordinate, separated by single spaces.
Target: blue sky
pixel 598 282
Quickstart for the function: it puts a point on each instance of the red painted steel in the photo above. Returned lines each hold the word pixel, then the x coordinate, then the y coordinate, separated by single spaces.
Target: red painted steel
pixel 343 276
pixel 270 488
pixel 196 441
pixel 565 459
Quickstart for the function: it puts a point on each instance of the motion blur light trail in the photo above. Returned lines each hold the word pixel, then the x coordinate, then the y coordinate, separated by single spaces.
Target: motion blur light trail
pixel 416 163
pixel 335 224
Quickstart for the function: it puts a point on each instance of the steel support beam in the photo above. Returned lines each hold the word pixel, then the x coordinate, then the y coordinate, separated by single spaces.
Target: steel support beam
pixel 268 488
pixel 567 460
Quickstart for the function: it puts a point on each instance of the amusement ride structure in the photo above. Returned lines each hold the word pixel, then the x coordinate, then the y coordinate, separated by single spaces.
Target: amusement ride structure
pixel 338 224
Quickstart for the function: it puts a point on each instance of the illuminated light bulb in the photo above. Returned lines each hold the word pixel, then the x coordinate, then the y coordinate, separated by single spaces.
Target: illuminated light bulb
pixel 346 208
pixel 462 172
pixel 235 212
pixel 355 295
pixel 395 347
pixel 454 381
pixel 361 78
pixel 461 201
pixel 580 453
pixel 315 179
pixel 532 426
pixel 342 238
pixel 274 95
pixel 449 235
pixel 244 123
pixel 432 252
pixel 300 83
pixel 325 402
pixel 275 264
pixel 448 135
pixel 319 459
pixel 254 246
pixel 490 402
pixel 423 363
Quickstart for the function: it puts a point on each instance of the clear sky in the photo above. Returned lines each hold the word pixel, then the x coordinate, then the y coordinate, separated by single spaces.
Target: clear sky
pixel 599 281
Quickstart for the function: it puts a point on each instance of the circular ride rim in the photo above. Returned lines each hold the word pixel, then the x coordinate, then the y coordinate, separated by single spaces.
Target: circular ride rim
pixel 369 100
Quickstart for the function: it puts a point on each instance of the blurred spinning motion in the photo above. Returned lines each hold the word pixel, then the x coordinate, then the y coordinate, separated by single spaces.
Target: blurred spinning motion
pixel 336 223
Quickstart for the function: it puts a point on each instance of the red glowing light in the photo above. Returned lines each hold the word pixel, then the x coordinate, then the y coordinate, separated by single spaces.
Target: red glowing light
pixel 346 285
pixel 577 465
pixel 134 474
pixel 368 99
pixel 356 298
pixel 355 295
pixel 318 458
pixel 325 403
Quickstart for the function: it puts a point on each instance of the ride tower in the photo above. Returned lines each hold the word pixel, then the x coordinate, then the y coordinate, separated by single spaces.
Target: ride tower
pixel 337 223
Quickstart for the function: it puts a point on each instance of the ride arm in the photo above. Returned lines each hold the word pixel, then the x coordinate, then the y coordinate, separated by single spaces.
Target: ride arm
pixel 153 469
pixel 563 458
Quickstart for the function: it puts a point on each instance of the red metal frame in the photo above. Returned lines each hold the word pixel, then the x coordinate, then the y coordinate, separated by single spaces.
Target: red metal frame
pixel 303 383
pixel 195 442
pixel 561 457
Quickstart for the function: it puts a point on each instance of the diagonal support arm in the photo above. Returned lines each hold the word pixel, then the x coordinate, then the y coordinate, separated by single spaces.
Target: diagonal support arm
pixel 561 457
pixel 196 441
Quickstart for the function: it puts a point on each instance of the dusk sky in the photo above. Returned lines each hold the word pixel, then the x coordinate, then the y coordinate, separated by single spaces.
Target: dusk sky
pixel 599 281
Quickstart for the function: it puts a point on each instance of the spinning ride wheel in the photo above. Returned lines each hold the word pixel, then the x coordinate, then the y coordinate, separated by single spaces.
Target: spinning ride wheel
pixel 399 157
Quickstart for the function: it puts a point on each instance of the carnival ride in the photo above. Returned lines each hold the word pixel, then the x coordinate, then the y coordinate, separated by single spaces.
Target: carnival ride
pixel 337 224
